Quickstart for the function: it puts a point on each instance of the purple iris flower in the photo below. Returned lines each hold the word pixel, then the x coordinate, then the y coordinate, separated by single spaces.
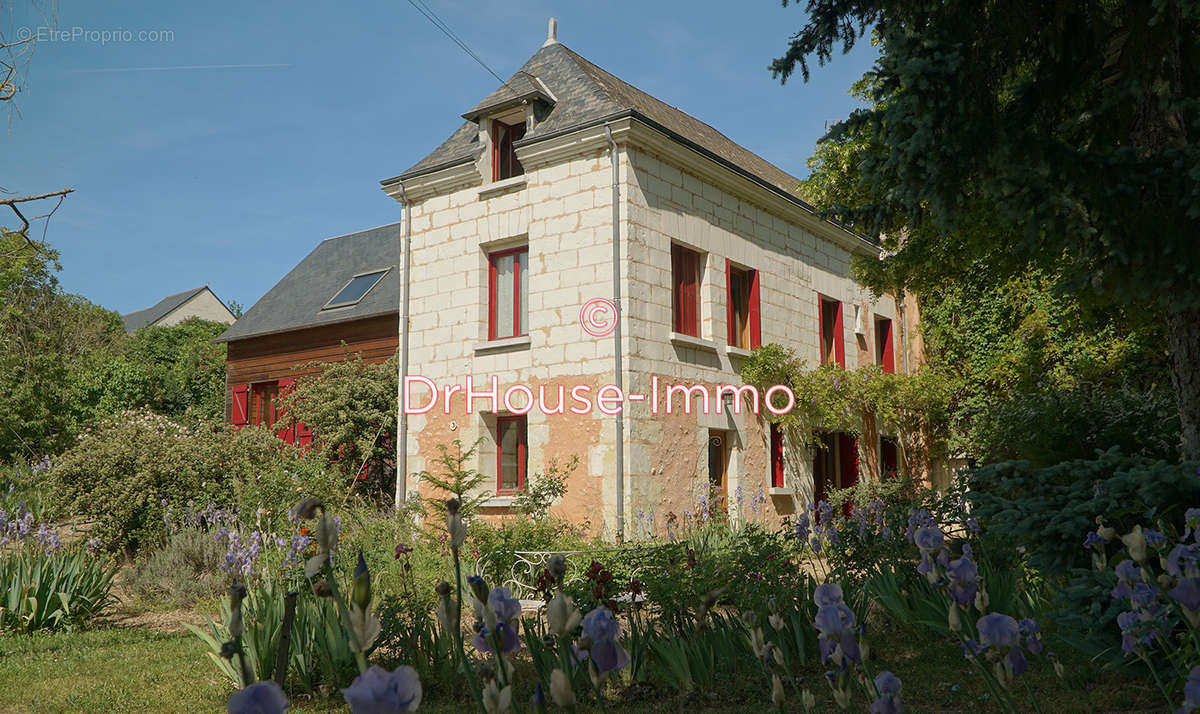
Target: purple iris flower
pixel 378 691
pixel 601 628
pixel 1191 692
pixel 1094 541
pixel 1184 561
pixel 1128 622
pixel 998 630
pixel 1128 573
pixel 261 698
pixel 929 539
pixel 801 529
pixel 828 594
pixel 1143 595
pixel 1187 593
pixel 1016 660
pixel 887 684
pixel 509 642
pixel 1154 539
pixel 964 580
pixel 506 607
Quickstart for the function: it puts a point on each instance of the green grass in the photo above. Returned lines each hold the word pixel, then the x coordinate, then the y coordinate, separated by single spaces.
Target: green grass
pixel 107 671
pixel 138 670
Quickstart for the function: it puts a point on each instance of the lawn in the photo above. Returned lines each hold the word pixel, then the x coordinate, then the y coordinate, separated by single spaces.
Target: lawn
pixel 138 670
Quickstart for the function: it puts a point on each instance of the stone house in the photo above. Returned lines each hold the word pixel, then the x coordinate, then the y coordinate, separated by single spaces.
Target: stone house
pixel 511 226
pixel 199 302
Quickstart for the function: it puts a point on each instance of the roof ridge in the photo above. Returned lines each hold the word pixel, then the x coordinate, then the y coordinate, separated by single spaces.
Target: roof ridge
pixel 364 230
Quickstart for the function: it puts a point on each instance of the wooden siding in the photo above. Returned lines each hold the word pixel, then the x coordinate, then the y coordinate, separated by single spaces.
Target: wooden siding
pixel 273 357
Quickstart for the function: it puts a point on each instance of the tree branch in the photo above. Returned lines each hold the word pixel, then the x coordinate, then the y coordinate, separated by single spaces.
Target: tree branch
pixel 23 231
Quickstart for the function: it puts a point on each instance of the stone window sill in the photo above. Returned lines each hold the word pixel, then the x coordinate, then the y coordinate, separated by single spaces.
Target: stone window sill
pixel 496 188
pixel 681 340
pixel 508 343
pixel 499 502
pixel 782 491
pixel 738 352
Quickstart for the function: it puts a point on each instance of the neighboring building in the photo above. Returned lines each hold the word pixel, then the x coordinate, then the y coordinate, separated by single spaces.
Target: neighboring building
pixel 341 299
pixel 174 309
pixel 512 233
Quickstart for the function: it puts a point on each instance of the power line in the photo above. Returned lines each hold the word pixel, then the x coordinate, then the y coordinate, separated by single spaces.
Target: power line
pixel 432 16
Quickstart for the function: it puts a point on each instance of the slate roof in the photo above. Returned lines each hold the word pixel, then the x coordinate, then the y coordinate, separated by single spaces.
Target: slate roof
pixel 134 321
pixel 586 95
pixel 296 301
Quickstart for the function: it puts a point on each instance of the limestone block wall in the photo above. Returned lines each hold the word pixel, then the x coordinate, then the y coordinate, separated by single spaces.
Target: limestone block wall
pixel 563 211
pixel 667 204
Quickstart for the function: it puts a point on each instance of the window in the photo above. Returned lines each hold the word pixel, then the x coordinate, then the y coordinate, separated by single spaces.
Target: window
pixel 776 456
pixel 883 345
pixel 835 465
pixel 889 457
pixel 742 302
pixel 508 293
pixel 504 156
pixel 263 397
pixel 510 454
pixel 356 289
pixel 685 296
pixel 718 471
pixel 833 347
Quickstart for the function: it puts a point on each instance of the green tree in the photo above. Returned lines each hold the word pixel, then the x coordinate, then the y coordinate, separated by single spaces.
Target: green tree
pixel 1070 125
pixel 44 335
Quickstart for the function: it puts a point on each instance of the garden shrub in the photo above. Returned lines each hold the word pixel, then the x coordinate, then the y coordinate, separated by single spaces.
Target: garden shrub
pixel 186 569
pixel 1049 511
pixel 131 468
pixel 351 408
pixel 1047 426
pixel 500 542
pixel 268 494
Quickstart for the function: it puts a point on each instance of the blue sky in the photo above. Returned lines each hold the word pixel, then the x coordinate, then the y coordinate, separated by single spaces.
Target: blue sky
pixel 230 175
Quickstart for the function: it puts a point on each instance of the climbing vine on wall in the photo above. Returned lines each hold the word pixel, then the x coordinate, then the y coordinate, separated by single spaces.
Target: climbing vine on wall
pixel 912 408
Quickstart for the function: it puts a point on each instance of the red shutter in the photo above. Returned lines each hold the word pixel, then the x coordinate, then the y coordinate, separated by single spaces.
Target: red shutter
pixel 685 272
pixel 288 434
pixel 240 409
pixel 887 359
pixel 839 339
pixel 730 303
pixel 848 447
pixel 755 312
pixel 776 456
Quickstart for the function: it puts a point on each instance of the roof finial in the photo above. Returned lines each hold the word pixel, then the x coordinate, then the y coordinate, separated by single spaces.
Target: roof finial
pixel 552 35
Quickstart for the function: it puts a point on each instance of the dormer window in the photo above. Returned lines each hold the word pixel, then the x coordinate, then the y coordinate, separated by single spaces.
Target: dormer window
pixel 504 156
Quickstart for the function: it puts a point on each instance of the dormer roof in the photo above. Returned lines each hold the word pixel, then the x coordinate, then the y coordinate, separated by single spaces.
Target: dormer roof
pixel 579 94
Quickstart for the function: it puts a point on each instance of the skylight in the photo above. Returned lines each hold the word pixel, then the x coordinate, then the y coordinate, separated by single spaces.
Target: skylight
pixel 356 289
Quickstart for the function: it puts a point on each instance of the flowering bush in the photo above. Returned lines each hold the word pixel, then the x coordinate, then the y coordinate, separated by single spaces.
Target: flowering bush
pixel 130 468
